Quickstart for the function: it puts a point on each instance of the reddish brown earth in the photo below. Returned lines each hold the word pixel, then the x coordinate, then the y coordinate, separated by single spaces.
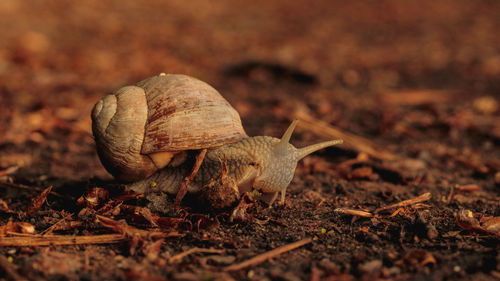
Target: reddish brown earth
pixel 413 87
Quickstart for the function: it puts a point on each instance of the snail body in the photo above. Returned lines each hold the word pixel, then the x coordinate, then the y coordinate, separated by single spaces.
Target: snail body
pixel 263 163
pixel 141 130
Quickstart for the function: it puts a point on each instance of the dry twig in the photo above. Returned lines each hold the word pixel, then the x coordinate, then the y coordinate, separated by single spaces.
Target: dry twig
pixel 33 188
pixel 321 128
pixel 180 256
pixel 424 197
pixel 400 207
pixel 47 240
pixel 55 225
pixel 184 185
pixel 268 255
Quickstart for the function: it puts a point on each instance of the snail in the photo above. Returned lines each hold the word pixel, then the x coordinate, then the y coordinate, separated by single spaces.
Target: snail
pixel 144 134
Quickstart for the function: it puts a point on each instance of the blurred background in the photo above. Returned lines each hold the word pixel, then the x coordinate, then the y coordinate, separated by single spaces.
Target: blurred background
pixel 346 61
pixel 413 88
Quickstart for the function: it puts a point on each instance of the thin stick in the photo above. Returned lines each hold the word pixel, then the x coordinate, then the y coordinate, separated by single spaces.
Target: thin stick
pixel 421 198
pixel 184 185
pixel 268 255
pixel 321 128
pixel 51 228
pixel 180 256
pixel 47 240
pixel 33 188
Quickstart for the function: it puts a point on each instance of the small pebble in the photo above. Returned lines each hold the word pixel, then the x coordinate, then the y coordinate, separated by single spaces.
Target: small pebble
pixel 486 105
pixel 432 232
pixel 277 274
pixel 328 265
pixel 370 266
pixel 394 270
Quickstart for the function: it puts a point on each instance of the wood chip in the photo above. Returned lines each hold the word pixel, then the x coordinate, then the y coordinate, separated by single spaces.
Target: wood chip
pixel 354 212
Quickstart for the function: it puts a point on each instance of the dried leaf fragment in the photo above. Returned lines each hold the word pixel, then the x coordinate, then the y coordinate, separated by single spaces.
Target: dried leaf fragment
pixel 419 258
pixel 130 231
pixel 4 207
pixel 37 203
pixel 492 224
pixel 487 225
pixel 94 198
pixel 16 227
pixel 239 213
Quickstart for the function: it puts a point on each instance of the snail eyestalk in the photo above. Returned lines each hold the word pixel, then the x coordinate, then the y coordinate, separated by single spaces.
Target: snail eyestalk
pixel 303 152
pixel 288 133
pixel 282 146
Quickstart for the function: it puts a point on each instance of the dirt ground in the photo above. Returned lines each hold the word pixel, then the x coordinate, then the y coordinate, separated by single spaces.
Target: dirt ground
pixel 413 88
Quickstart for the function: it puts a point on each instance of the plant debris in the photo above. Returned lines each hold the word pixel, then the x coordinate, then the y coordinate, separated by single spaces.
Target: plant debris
pixel 268 255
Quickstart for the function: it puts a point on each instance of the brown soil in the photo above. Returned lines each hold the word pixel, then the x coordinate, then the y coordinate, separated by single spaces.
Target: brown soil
pixel 413 87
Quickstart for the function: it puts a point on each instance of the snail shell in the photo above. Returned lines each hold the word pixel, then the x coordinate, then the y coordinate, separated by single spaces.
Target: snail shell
pixel 139 129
